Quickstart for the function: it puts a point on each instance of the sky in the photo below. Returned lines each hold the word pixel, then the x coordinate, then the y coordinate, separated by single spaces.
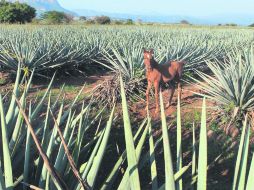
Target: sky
pixel 198 8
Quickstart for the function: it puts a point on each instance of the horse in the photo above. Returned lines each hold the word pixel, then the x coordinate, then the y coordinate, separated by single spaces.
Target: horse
pixel 156 73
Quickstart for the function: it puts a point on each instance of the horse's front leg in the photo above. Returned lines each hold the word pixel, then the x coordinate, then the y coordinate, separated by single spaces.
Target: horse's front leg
pixel 172 90
pixel 147 94
pixel 156 88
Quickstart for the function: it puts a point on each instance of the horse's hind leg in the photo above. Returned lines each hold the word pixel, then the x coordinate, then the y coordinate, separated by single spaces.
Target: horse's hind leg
pixel 172 90
pixel 156 88
pixel 147 94
pixel 179 86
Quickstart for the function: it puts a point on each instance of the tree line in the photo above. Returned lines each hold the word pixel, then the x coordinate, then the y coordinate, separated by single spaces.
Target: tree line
pixel 23 13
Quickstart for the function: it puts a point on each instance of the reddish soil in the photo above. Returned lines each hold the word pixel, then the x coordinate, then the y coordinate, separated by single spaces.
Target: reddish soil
pixel 190 102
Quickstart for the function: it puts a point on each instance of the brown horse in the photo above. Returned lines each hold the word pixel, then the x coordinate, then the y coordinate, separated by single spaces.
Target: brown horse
pixel 157 73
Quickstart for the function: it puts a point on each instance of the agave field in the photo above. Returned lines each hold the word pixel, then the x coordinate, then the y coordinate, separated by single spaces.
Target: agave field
pixel 95 142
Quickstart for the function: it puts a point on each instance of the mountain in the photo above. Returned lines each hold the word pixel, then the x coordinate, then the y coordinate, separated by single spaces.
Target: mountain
pixel 45 5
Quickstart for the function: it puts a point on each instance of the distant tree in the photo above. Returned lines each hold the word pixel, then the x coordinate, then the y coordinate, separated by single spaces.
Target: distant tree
pixel 219 24
pixel 184 22
pixel 55 17
pixel 118 22
pixel 82 18
pixel 16 12
pixel 102 20
pixel 252 25
pixel 129 21
pixel 230 24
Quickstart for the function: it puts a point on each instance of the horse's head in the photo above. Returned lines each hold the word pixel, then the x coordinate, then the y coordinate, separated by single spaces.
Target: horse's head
pixel 148 59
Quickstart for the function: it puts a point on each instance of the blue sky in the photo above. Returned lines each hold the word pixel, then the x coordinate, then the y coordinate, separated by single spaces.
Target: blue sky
pixel 166 7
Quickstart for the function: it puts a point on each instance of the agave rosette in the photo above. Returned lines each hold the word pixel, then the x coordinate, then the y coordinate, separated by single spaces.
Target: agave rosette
pixel 231 82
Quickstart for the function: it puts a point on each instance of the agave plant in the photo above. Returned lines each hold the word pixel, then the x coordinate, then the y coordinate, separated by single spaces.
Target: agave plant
pixel 231 82
pixel 125 62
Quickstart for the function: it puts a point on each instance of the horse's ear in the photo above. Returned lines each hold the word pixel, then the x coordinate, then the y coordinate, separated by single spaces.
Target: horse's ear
pixel 151 51
pixel 144 50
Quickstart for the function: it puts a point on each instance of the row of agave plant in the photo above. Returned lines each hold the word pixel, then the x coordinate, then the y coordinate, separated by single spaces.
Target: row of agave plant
pixel 56 46
pixel 46 48
pixel 36 153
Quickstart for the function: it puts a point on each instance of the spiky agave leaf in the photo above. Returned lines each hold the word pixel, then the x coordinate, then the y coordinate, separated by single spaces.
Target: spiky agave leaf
pixel 130 149
pixel 202 159
pixel 153 167
pixel 179 184
pixel 250 182
pixel 113 174
pixel 91 177
pixel 169 174
pixel 242 155
pixel 125 183
pixel 6 152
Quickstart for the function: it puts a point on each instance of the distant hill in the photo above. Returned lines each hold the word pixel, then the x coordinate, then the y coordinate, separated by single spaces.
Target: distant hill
pixel 162 18
pixel 144 17
pixel 45 5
